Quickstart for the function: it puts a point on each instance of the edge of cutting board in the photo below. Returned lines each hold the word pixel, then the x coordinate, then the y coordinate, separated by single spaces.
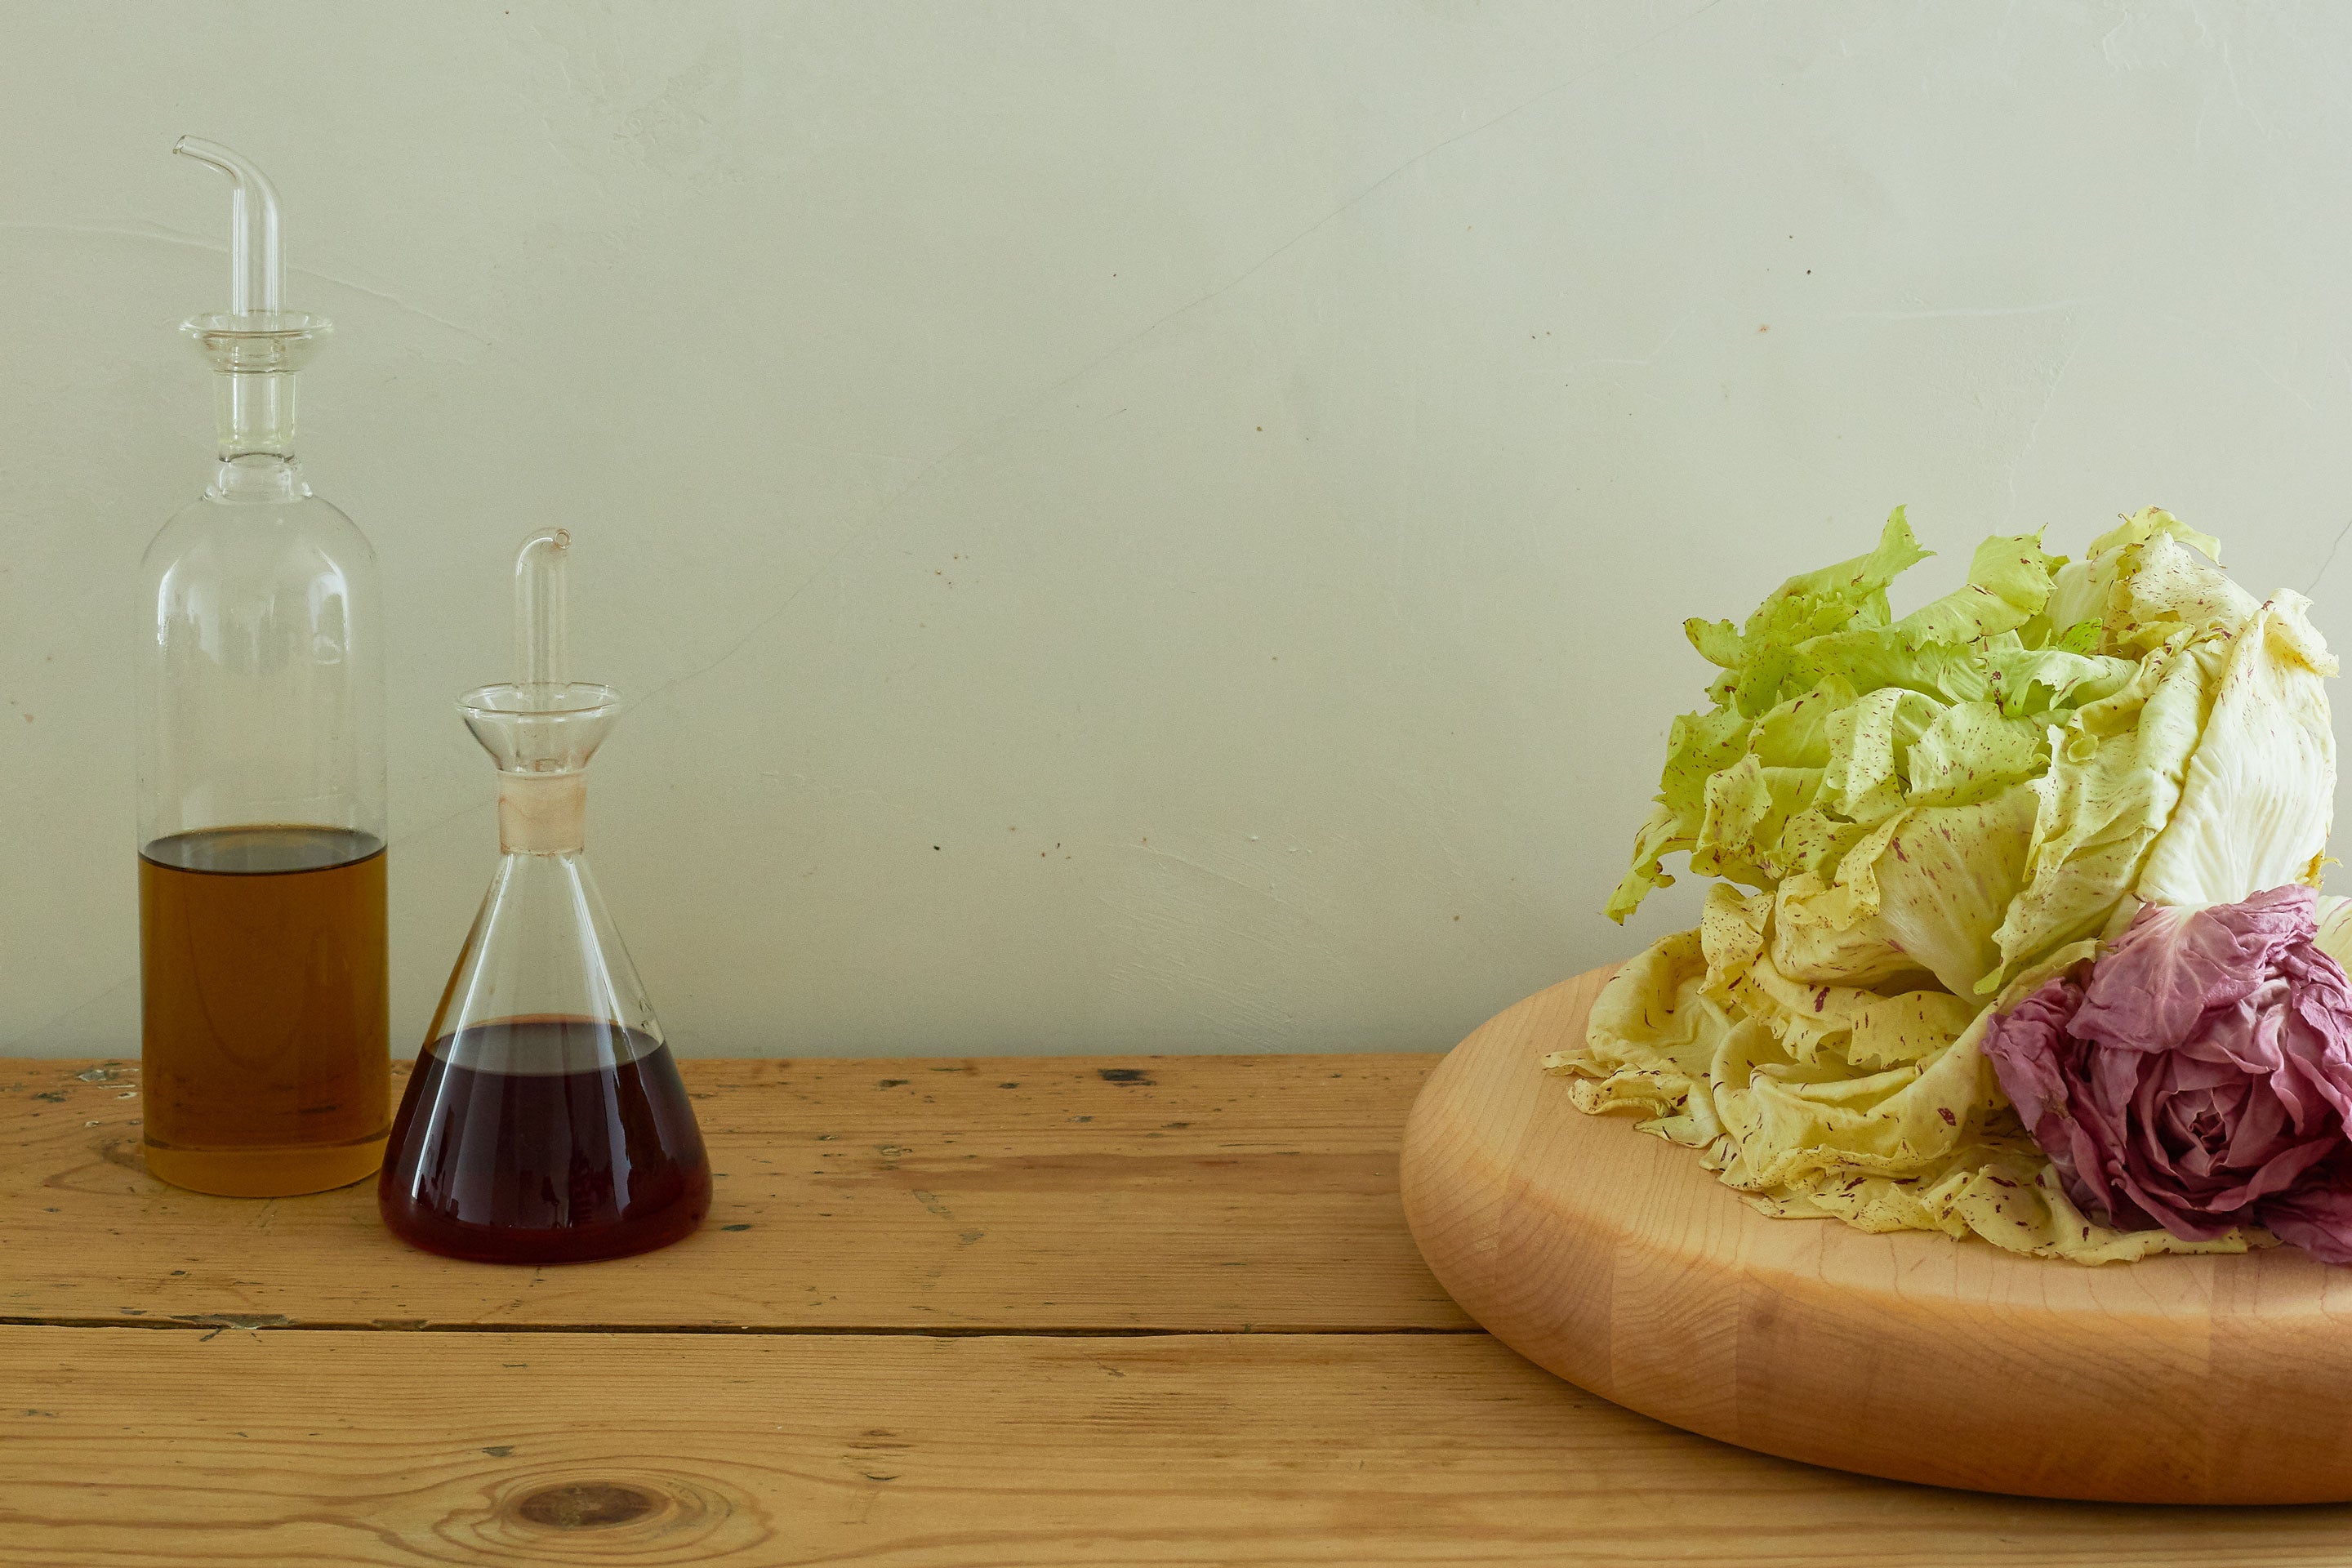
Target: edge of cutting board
pixel 1612 1259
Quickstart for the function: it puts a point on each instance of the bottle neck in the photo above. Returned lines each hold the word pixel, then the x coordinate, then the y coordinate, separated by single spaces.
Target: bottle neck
pixel 542 813
pixel 253 414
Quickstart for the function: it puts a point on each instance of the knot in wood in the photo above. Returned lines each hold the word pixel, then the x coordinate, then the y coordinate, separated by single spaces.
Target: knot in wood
pixel 586 1505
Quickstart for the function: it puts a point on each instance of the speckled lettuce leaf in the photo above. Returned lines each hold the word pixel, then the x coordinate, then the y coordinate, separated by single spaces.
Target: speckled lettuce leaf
pixel 1823 699
pixel 2114 779
pixel 1926 891
pixel 1828 1102
pixel 2144 579
pixel 1939 649
pixel 2208 777
pixel 1755 662
pixel 2259 793
pixel 2025 682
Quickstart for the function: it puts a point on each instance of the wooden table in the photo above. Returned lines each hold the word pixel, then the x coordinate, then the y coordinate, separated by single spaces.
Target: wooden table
pixel 992 1314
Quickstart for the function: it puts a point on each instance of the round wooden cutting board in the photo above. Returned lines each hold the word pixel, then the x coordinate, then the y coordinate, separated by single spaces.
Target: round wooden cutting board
pixel 1613 1259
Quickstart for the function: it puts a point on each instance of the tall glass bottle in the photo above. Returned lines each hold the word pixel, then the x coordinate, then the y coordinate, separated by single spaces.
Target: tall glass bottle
pixel 266 1012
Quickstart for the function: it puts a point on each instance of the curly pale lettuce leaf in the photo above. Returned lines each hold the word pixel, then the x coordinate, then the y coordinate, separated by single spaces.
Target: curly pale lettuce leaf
pixel 1828 1102
pixel 1924 891
pixel 2259 795
pixel 2115 777
pixel 1935 648
pixel 1822 698
pixel 2026 682
pixel 2126 595
pixel 1851 594
pixel 1755 660
pixel 2208 778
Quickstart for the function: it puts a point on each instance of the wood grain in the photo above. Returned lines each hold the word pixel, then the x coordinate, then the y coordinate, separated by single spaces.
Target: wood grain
pixel 1614 1259
pixel 307 1450
pixel 1204 1193
pixel 865 1385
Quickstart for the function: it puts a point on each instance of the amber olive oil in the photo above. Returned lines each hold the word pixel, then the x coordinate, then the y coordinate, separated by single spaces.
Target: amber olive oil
pixel 267 1032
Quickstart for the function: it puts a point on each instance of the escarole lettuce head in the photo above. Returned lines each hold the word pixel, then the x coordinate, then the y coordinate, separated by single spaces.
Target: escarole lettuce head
pixel 1914 817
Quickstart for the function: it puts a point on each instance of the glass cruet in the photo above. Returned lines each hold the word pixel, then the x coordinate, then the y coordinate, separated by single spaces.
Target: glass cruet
pixel 545 1120
pixel 265 1005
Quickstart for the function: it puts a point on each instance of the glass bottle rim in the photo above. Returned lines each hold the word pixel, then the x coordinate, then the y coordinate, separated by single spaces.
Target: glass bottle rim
pixel 281 325
pixel 543 699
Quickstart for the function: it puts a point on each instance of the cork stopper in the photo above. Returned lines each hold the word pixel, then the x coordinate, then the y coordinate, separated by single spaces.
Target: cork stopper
pixel 542 813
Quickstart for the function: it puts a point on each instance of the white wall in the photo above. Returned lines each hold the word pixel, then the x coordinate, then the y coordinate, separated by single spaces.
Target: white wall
pixel 1130 527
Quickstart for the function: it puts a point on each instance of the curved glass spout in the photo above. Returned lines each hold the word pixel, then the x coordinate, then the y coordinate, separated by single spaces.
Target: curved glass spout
pixel 256 343
pixel 543 723
pixel 541 653
pixel 256 266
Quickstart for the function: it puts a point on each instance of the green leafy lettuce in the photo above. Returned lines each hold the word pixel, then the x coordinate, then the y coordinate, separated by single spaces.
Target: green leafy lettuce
pixel 1929 815
pixel 1842 738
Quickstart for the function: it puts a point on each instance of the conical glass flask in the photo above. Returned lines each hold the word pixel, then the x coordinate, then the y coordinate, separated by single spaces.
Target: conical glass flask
pixel 545 1122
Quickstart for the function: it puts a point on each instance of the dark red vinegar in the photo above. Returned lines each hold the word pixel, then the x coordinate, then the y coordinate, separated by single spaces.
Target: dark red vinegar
pixel 502 1166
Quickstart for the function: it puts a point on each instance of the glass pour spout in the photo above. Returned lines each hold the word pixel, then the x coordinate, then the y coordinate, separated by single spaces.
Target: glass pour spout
pixel 542 726
pixel 543 660
pixel 256 266
pixel 257 345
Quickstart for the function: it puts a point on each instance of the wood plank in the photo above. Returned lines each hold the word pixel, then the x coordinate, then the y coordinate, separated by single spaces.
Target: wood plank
pixel 1198 1193
pixel 1619 1262
pixel 134 1449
